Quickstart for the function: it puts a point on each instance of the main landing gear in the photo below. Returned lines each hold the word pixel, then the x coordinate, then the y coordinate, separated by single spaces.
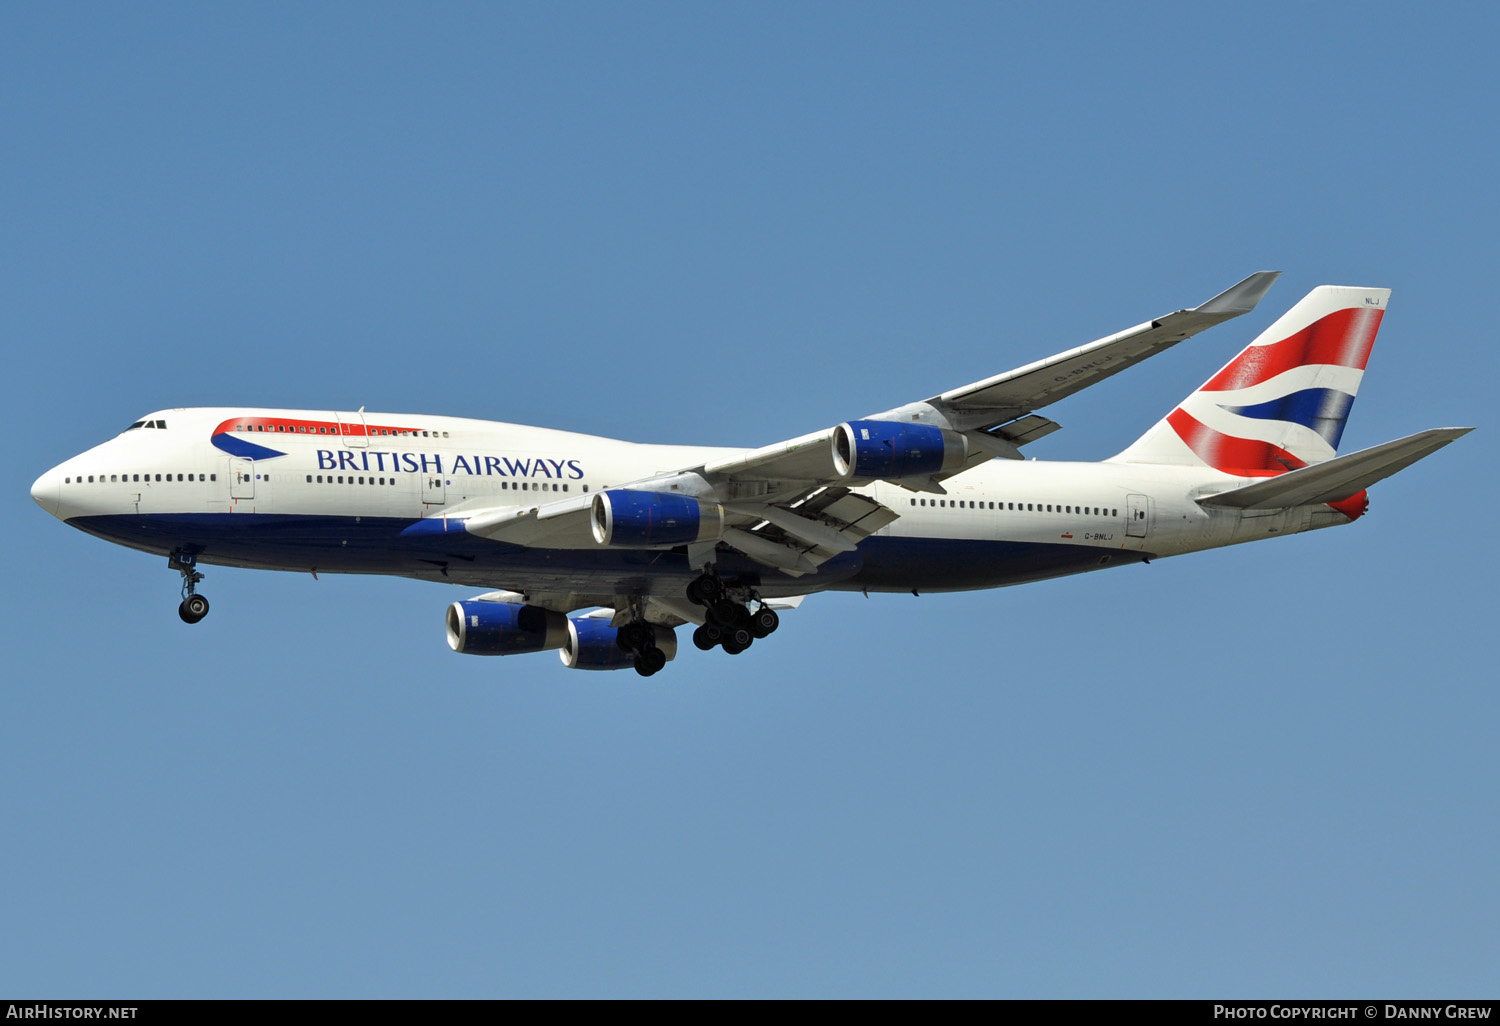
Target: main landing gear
pixel 729 623
pixel 638 639
pixel 194 607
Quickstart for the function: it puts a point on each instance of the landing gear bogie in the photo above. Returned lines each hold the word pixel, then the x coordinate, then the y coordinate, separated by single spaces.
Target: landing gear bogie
pixel 639 639
pixel 727 619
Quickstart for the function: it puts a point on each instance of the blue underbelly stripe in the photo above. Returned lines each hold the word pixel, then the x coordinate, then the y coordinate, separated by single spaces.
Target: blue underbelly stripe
pixel 390 545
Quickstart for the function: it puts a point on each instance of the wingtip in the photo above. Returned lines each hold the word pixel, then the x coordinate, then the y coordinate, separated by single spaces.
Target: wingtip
pixel 1243 297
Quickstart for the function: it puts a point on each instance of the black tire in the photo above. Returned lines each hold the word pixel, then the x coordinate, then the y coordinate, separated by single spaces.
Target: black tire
pixel 732 648
pixel 725 613
pixel 654 658
pixel 193 609
pixel 642 667
pixel 705 590
pixel 764 622
pixel 634 636
pixel 740 637
pixel 707 637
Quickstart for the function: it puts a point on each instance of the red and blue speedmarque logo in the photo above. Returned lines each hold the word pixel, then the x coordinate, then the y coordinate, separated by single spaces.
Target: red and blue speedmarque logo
pixel 233 436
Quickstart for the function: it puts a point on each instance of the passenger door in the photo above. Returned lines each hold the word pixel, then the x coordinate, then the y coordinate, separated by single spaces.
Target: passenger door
pixel 241 478
pixel 1138 510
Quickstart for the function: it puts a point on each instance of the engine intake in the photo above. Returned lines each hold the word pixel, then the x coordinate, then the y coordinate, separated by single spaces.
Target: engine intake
pixel 883 450
pixel 592 644
pixel 635 519
pixel 504 628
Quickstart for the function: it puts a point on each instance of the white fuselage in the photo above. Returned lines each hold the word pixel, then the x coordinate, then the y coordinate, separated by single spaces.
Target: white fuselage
pixel 315 490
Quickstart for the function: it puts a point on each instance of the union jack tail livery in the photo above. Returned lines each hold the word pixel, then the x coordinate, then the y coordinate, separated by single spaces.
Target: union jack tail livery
pixel 1282 402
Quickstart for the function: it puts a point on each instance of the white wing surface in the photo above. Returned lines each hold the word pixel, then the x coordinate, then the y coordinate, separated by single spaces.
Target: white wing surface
pixel 791 505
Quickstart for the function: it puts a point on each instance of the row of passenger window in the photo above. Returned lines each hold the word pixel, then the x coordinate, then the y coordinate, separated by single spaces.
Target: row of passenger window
pixel 351 480
pixel 133 478
pixel 533 486
pixel 1021 507
pixel 307 429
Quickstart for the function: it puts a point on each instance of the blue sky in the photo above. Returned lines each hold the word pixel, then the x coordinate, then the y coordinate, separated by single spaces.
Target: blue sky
pixel 1263 771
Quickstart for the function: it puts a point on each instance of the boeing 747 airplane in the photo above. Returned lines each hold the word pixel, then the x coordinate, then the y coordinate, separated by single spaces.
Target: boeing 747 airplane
pixel 605 547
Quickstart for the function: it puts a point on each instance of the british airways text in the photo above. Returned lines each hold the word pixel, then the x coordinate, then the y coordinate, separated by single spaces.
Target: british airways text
pixel 424 463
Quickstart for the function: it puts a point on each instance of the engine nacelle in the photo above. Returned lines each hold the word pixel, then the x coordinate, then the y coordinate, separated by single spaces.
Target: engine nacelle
pixel 889 450
pixel 592 645
pixel 633 519
pixel 504 628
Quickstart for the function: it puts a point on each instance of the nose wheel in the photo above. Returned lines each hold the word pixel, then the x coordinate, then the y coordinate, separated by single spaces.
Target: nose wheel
pixel 194 607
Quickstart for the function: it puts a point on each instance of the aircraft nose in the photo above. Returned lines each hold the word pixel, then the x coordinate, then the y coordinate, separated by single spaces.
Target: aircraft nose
pixel 46 492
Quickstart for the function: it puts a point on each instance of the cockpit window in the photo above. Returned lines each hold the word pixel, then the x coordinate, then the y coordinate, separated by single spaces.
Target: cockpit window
pixel 160 424
pixel 135 425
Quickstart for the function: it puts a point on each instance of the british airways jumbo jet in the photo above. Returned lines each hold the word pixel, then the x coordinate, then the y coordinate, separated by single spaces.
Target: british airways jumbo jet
pixel 931 496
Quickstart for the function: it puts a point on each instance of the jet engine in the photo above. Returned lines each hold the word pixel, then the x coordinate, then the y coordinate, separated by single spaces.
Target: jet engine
pixel 635 519
pixel 888 450
pixel 504 628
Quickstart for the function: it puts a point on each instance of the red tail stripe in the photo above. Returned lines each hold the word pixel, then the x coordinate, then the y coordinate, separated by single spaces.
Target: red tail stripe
pixel 1244 457
pixel 1342 338
pixel 1354 506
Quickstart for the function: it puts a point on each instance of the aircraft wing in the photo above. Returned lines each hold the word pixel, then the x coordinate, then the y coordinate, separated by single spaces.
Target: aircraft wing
pixel 798 493
pixel 996 414
pixel 1006 397
pixel 792 505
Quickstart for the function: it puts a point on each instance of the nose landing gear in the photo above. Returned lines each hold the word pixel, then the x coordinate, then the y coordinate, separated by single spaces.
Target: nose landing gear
pixel 194 607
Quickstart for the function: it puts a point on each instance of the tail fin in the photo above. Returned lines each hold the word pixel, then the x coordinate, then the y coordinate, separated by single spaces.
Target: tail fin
pixel 1282 402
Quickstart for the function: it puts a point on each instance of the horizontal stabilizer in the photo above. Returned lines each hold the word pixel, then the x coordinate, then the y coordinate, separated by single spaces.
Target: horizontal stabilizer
pixel 1338 478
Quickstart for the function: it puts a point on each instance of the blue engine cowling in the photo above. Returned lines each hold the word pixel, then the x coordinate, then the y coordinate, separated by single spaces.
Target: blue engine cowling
pixel 634 519
pixel 504 628
pixel 592 645
pixel 888 450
